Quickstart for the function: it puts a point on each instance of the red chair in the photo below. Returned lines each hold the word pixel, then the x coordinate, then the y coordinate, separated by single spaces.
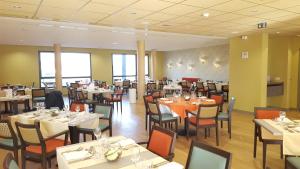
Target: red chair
pixel 264 136
pixel 74 105
pixel 219 101
pixel 161 142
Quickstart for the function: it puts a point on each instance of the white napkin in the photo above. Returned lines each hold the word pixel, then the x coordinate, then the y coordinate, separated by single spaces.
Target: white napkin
pixel 63 120
pixel 126 142
pixel 172 165
pixel 76 155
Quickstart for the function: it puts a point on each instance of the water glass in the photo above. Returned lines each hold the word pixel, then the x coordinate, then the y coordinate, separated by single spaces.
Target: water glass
pixel 282 115
pixel 135 157
pixel 97 133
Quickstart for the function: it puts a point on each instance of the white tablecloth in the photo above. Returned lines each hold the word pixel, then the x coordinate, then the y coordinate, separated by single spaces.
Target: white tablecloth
pixel 15 98
pixel 172 87
pixel 92 91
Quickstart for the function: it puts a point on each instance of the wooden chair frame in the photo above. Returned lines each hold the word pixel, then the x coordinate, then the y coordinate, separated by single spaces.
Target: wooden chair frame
pixel 211 149
pixel 44 156
pixel 7 160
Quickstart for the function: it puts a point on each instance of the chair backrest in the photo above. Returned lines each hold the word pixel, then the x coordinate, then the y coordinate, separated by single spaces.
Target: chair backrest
pixel 153 107
pixel 29 134
pixel 75 104
pixel 9 162
pixel 211 86
pixel 75 85
pixel 266 113
pixel 162 142
pixel 20 92
pixel 184 83
pixel 103 84
pixel 200 85
pixel 81 95
pixel 71 93
pixel 207 111
pixel 147 98
pixel 151 86
pixel 104 109
pixel 134 85
pixel 207 157
pixel 38 93
pixel 218 99
pixel 126 83
pixel 225 88
pixel 7 132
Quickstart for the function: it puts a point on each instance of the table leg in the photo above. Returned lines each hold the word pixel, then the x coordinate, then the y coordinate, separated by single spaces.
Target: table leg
pixel 14 107
pixel 74 136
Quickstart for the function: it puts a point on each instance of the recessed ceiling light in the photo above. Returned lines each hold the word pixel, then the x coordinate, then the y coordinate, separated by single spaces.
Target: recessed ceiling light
pixel 205 14
pixel 115 43
pixel 277 32
pixel 16 6
pixel 234 32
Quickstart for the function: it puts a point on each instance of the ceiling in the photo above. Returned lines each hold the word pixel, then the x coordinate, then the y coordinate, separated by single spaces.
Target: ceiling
pixel 227 18
pixel 45 33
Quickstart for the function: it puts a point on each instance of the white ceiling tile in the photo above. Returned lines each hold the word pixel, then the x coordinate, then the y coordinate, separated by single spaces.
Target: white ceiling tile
pixel 233 5
pixel 180 9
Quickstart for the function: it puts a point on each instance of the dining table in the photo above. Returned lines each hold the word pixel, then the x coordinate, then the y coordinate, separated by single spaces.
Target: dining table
pixel 170 88
pixel 55 121
pixel 90 155
pixel 288 129
pixel 14 101
pixel 94 90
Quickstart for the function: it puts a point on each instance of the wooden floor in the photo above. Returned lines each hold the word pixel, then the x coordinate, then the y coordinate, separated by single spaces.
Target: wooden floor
pixel 131 123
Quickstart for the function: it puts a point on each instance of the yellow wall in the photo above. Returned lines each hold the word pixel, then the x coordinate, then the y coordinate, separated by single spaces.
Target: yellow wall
pixel 294 71
pixel 248 77
pixel 19 64
pixel 160 65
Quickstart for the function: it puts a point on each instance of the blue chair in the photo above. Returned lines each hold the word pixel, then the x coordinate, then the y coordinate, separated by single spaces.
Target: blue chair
pixel 226 116
pixel 9 162
pixel 202 156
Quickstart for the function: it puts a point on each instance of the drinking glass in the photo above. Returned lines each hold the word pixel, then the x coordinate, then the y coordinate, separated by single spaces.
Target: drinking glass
pixel 97 133
pixel 77 109
pixel 282 115
pixel 135 157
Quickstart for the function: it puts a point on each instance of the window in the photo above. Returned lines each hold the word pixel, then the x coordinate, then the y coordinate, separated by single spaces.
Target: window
pixel 74 67
pixel 125 67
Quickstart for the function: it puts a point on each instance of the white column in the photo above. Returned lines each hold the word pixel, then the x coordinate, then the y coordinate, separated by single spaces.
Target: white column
pixel 141 69
pixel 153 65
pixel 58 79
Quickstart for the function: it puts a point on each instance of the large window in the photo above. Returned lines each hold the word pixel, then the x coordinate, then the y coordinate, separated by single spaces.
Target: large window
pixel 125 66
pixel 74 67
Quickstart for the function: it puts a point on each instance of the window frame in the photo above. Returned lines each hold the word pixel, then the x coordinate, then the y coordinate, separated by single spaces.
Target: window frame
pixel 40 68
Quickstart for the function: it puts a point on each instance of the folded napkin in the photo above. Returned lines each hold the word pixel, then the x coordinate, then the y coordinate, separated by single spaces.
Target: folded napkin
pixel 172 165
pixel 126 142
pixel 63 120
pixel 76 155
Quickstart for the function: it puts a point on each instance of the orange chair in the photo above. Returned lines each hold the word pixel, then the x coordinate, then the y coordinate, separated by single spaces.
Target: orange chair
pixel 36 148
pixel 161 142
pixel 219 100
pixel 206 117
pixel 264 136
pixel 74 106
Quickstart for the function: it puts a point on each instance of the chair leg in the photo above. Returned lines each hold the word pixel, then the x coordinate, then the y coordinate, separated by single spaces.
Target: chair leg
pixel 110 131
pixel 49 163
pixel 121 106
pixel 23 160
pixel 281 151
pixel 176 126
pixel 146 121
pixel 205 133
pixel 217 135
pixel 117 106
pixel 16 155
pixel 221 123
pixel 44 163
pixel 187 130
pixel 84 137
pixel 264 155
pixel 255 142
pixel 229 128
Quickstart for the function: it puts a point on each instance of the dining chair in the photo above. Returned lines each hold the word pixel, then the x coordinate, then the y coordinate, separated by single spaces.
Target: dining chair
pixel 34 147
pixel 103 84
pixel 126 85
pixel 157 94
pixel 72 95
pixel 225 90
pixel 205 117
pixel 74 106
pixel 219 100
pixel 83 98
pixel 75 85
pixel 150 87
pixel 292 162
pixel 157 117
pixel 200 89
pixel 226 116
pixel 115 97
pixel 161 142
pixel 263 135
pixel 8 138
pixel 105 112
pixel 207 157
pixel 212 89
pixel 38 96
pixel 24 102
pixel 10 162
pixel 147 99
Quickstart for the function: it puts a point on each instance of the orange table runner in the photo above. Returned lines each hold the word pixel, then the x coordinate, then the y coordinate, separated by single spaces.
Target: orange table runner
pixel 180 105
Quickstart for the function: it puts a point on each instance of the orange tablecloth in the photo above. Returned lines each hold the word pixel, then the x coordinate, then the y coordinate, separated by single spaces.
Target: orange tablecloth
pixel 180 105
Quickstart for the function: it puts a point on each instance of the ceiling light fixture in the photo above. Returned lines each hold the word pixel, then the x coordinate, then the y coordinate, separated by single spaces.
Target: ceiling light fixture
pixel 234 32
pixel 205 14
pixel 277 32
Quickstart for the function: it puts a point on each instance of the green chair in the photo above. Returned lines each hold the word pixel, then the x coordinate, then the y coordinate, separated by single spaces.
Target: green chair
pixel 9 162
pixel 106 114
pixel 226 116
pixel 202 156
pixel 8 138
pixel 292 162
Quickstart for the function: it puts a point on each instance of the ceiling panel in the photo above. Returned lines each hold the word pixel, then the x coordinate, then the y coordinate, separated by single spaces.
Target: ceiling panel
pixel 151 5
pixel 66 4
pixel 260 1
pixel 181 20
pixel 120 3
pixel 158 16
pixel 32 2
pixel 204 3
pixel 180 10
pixel 275 14
pixel 227 17
pixel 282 4
pixel 103 8
pixel 87 17
pixel 52 13
pixel 199 13
pixel 17 7
pixel 255 10
pixel 18 14
pixel 295 9
pixel 233 5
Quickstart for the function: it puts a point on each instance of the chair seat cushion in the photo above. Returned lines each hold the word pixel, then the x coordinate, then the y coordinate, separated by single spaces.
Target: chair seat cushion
pixel 164 117
pixel 202 122
pixel 8 142
pixel 223 115
pixel 51 146
pixel 295 161
pixel 103 126
pixel 39 99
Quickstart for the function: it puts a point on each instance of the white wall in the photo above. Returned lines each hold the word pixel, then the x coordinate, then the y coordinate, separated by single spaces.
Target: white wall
pixel 177 63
